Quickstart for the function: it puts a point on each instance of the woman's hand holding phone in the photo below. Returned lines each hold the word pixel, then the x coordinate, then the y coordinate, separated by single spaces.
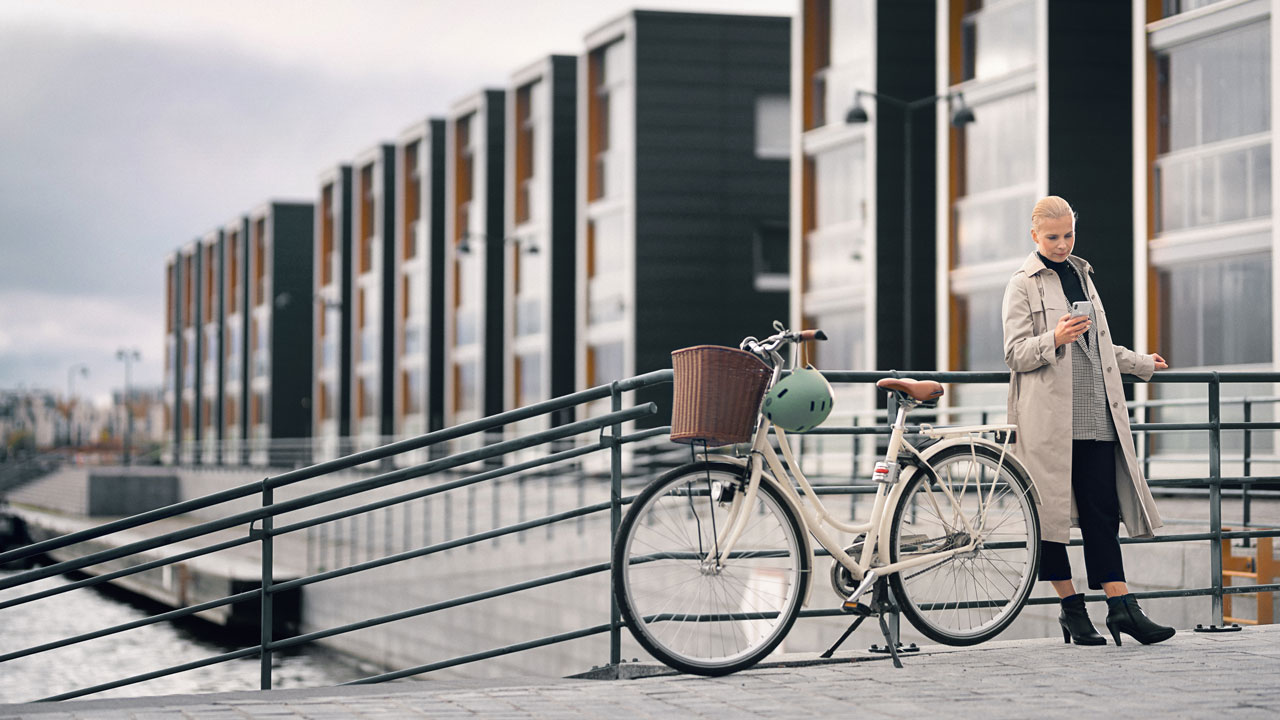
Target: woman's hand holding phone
pixel 1069 328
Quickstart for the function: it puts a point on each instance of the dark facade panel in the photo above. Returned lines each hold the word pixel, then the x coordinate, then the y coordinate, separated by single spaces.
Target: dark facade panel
pixel 435 278
pixel 906 69
pixel 1090 160
pixel 495 249
pixel 562 184
pixel 291 322
pixel 695 271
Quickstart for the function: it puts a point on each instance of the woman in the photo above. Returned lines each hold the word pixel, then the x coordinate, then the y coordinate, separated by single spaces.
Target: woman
pixel 1067 400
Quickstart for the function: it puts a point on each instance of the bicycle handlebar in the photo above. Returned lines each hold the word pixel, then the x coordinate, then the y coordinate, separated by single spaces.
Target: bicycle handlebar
pixel 770 344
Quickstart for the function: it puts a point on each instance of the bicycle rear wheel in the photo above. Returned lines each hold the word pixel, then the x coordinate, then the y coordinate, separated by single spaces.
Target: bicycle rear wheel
pixel 687 610
pixel 972 596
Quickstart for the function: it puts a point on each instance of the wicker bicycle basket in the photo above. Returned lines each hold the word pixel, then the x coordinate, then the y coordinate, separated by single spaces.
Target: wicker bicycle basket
pixel 717 394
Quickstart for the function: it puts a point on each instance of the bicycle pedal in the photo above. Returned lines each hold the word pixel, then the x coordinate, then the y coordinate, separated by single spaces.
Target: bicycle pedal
pixel 857 608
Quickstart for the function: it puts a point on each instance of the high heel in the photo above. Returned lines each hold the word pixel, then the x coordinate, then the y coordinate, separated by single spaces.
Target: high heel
pixel 1125 616
pixel 1076 626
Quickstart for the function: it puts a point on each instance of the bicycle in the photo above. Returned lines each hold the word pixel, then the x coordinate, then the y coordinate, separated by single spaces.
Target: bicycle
pixel 713 559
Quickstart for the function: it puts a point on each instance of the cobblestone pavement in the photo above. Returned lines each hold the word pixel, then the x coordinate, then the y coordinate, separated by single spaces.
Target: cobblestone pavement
pixel 1194 675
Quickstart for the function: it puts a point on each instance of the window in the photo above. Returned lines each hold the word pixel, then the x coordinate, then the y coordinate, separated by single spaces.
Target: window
pixel 367 204
pixel 845 348
pixel 465 377
pixel 525 170
pixel 259 262
pixel 773 127
pixel 1214 122
pixel 1216 312
pixel 998 181
pixel 842 32
pixel 608 71
pixel 606 363
pixel 412 179
pixel 1173 7
pixel 412 386
pixel 833 245
pixel 771 252
pixel 326 235
pixel 997 40
pixel 233 272
pixel 528 378
pixel 981 330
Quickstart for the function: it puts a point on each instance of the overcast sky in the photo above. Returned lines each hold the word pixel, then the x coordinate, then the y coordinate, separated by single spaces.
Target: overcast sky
pixel 130 127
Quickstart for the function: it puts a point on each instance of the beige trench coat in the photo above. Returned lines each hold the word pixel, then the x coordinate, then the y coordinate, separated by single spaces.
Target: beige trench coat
pixel 1040 399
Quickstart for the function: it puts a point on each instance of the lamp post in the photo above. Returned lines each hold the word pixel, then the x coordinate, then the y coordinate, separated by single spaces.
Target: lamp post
pixel 81 369
pixel 961 115
pixel 129 356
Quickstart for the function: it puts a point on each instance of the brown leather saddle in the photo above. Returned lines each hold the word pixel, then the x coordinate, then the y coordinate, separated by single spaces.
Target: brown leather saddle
pixel 913 393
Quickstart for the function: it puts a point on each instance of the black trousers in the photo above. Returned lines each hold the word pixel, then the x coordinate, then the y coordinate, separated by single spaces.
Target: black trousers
pixel 1093 482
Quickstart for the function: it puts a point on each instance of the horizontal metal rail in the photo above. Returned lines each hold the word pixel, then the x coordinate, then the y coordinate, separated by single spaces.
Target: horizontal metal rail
pixel 610 440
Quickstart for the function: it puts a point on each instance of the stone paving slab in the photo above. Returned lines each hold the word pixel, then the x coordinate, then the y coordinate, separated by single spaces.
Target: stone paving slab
pixel 1193 675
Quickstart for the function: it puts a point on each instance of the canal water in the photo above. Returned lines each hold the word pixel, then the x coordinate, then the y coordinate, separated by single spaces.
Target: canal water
pixel 134 652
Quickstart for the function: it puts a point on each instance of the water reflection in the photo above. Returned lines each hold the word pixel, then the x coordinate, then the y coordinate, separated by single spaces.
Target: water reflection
pixel 133 652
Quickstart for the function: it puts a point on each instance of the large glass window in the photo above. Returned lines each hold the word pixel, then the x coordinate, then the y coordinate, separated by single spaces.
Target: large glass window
pixel 1214 122
pixel 998 173
pixel 843 52
pixel 838 238
pixel 607 363
pixel 982 341
pixel 998 37
pixel 529 389
pixel 1216 312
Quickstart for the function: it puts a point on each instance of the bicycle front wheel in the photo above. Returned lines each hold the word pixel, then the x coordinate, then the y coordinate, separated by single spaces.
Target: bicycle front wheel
pixel 690 605
pixel 972 595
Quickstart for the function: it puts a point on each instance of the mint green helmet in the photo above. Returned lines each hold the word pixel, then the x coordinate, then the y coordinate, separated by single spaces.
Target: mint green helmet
pixel 800 401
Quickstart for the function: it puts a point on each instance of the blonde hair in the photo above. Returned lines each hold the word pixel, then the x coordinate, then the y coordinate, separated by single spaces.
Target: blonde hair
pixel 1051 208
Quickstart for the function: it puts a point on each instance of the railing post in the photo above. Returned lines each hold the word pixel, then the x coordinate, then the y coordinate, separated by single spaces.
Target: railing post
pixel 1215 496
pixel 267 563
pixel 615 519
pixel 1146 441
pixel 1245 500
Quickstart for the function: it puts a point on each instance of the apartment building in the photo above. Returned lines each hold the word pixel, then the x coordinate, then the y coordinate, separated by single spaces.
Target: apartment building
pixel 331 295
pixel 279 312
pixel 419 249
pixel 862 76
pixel 473 257
pixel 172 382
pixel 190 351
pixel 212 327
pixel 373 295
pixel 683 157
pixel 540 246
pixel 235 345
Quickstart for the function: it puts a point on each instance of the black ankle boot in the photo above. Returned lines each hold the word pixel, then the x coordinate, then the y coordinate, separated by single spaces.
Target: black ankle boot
pixel 1124 616
pixel 1076 626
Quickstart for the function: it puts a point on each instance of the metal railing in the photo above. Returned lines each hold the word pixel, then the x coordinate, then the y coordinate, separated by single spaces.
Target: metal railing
pixel 568 445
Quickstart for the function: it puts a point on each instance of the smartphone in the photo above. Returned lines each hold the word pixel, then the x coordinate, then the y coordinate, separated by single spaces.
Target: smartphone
pixel 1081 307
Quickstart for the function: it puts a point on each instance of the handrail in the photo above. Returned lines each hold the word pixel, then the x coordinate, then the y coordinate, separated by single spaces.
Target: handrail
pixel 456 471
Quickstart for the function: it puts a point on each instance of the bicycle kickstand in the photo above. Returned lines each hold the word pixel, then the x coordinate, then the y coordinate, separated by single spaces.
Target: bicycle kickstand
pixel 883 602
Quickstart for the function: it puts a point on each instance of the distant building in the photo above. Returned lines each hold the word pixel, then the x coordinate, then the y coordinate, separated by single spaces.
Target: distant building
pixel 419 248
pixel 474 253
pixel 235 344
pixel 540 243
pixel 331 295
pixel 279 311
pixel 373 293
pixel 683 165
pixel 212 329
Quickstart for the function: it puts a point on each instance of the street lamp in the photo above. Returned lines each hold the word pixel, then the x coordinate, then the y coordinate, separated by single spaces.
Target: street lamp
pixel 129 356
pixel 961 115
pixel 81 369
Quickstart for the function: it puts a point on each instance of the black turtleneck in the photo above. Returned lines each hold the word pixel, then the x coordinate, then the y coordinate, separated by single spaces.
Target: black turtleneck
pixel 1072 284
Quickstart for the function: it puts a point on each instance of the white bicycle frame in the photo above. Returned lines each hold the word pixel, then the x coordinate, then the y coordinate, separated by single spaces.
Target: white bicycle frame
pixel 818 522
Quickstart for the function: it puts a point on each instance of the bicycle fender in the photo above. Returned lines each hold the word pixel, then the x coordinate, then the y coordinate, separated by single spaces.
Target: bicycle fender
pixel 932 449
pixel 806 541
